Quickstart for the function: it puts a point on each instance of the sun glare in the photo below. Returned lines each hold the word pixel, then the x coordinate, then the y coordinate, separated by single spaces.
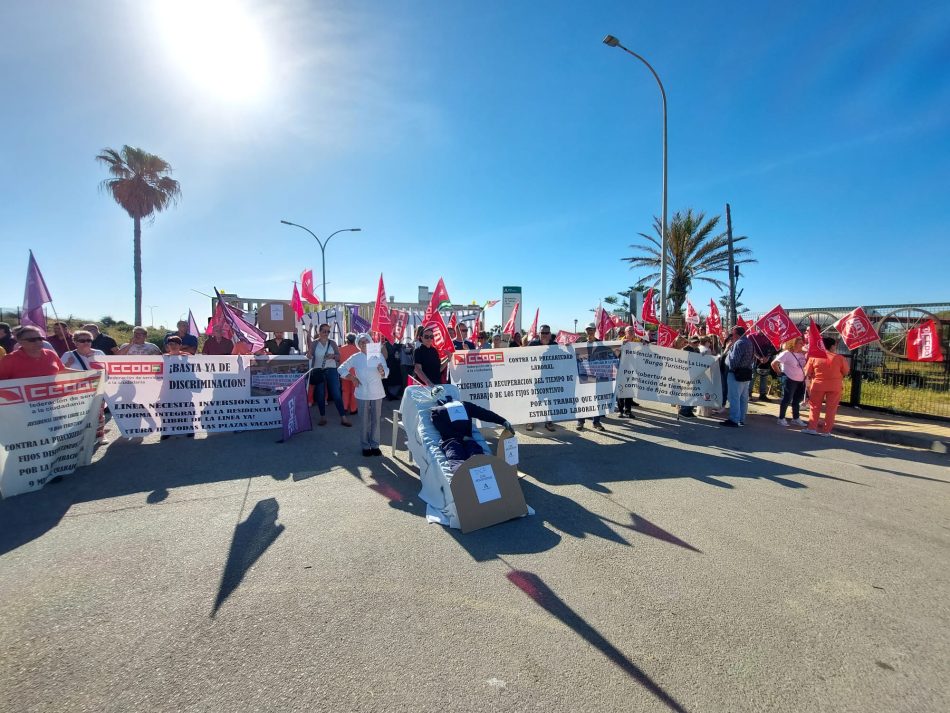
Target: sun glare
pixel 215 45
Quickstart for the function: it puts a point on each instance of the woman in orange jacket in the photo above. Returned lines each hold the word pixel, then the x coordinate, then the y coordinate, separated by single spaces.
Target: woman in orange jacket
pixel 349 387
pixel 826 379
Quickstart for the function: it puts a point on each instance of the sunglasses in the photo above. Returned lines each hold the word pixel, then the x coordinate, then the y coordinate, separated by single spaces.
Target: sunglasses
pixel 427 336
pixel 30 339
pixel 83 341
pixel 545 333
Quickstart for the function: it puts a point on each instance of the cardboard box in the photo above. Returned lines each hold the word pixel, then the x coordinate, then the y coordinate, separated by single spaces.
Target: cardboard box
pixel 276 317
pixel 486 491
pixel 507 448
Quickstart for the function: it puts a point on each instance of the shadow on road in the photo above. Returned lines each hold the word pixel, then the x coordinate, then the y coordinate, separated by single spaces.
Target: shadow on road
pixel 544 596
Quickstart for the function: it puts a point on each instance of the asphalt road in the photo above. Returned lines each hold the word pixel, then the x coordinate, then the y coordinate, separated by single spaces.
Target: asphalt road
pixel 670 566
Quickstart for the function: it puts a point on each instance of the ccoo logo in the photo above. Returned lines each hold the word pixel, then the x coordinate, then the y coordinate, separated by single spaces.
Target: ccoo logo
pixel 480 357
pixel 137 368
pixel 9 396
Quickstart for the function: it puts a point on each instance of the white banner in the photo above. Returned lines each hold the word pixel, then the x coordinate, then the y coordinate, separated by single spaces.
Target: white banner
pixel 671 376
pixel 47 428
pixel 180 395
pixel 537 384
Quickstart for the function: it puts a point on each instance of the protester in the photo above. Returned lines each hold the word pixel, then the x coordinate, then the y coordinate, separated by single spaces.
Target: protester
pixel 103 342
pixel 692 345
pixel 625 406
pixel 83 357
pixel 406 362
pixel 368 374
pixel 544 339
pixel 590 335
pixel 348 387
pixel 499 342
pixel 740 361
pixel 279 346
pixel 393 384
pixel 61 339
pixel 453 421
pixel 31 359
pixel 826 381
pixel 705 346
pixel 516 340
pixel 324 355
pixel 189 342
pixel 764 352
pixel 463 341
pixel 484 340
pixel 138 346
pixel 789 365
pixel 217 344
pixel 173 345
pixel 428 365
pixel 6 337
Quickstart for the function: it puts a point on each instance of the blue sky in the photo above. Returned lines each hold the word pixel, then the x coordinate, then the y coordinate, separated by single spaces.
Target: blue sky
pixel 492 143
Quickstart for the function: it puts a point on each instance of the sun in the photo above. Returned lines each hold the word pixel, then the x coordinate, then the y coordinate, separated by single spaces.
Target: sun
pixel 215 45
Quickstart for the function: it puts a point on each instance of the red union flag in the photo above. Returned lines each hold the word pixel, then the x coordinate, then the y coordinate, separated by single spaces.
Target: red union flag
pixel 566 337
pixel 306 287
pixel 742 323
pixel 776 325
pixel 639 331
pixel 453 323
pixel 382 322
pixel 692 316
pixel 816 347
pixel 714 321
pixel 533 329
pixel 295 304
pixel 648 312
pixel 400 319
pixel 441 339
pixel 923 342
pixel 604 323
pixel 666 336
pixel 509 327
pixel 856 330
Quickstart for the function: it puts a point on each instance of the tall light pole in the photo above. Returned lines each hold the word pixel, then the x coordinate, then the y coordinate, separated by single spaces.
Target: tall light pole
pixel 323 248
pixel 151 309
pixel 612 41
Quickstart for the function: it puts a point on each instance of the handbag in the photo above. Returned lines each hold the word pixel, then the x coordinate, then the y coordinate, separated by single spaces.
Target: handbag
pixel 743 373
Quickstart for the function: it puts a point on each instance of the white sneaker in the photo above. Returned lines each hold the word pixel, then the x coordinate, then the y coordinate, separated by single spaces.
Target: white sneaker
pixel 799 422
pixel 781 422
pixel 810 432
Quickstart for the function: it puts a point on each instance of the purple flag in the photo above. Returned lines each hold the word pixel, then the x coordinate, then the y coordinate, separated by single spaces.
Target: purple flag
pixel 357 323
pixel 294 409
pixel 193 326
pixel 243 330
pixel 34 297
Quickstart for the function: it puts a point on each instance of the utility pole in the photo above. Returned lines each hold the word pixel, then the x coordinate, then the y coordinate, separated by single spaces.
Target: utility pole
pixel 732 271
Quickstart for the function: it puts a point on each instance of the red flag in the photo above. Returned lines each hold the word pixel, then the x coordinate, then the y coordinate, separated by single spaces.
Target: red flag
pixel 509 327
pixel 856 329
pixel 295 304
pixel 639 331
pixel 666 336
pixel 453 323
pixel 440 298
pixel 714 321
pixel 692 316
pixel 441 339
pixel 382 322
pixel 648 313
pixel 816 347
pixel 306 287
pixel 776 325
pixel 604 323
pixel 617 321
pixel 533 329
pixel 400 319
pixel 566 337
pixel 923 342
pixel 742 323
pixel 410 381
pixel 692 330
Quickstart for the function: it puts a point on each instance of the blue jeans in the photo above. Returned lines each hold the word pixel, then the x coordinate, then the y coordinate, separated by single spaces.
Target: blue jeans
pixel 332 382
pixel 792 393
pixel 738 398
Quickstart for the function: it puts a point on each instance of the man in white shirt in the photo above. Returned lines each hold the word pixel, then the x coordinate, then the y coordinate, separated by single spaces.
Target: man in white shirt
pixel 367 372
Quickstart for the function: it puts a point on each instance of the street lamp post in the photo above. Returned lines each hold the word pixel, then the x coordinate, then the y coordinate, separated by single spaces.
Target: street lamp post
pixel 612 41
pixel 323 247
pixel 151 309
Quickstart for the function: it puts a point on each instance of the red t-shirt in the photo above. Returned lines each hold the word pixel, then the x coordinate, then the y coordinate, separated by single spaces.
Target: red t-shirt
pixel 20 366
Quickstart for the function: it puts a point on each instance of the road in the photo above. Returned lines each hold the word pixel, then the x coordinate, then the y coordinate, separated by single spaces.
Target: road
pixel 670 566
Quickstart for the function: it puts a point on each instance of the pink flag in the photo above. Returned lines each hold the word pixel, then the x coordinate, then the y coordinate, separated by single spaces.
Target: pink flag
pixel 566 337
pixel 533 329
pixel 923 342
pixel 648 313
pixel 666 336
pixel 714 321
pixel 382 322
pixel 35 296
pixel 243 330
pixel 306 287
pixel 509 327
pixel 856 329
pixel 295 304
pixel 816 347
pixel 777 326
pixel 692 316
pixel 193 325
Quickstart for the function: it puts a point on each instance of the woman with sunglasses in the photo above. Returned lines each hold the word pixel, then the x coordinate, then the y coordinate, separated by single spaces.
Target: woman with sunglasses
pixel 83 357
pixel 31 359
pixel 324 359
pixel 428 367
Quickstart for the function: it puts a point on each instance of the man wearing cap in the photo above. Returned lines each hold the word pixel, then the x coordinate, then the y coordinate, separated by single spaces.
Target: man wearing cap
pixel 189 342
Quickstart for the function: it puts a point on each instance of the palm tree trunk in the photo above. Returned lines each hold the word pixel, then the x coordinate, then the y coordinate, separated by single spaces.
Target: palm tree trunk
pixel 137 268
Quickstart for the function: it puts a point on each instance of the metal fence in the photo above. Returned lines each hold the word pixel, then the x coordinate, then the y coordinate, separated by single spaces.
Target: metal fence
pixel 881 375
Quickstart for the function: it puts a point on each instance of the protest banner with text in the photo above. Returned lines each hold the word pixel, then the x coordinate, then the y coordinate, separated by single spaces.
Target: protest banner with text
pixel 671 376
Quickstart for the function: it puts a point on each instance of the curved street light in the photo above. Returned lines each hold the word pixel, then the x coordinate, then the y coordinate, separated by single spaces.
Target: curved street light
pixel 612 41
pixel 323 247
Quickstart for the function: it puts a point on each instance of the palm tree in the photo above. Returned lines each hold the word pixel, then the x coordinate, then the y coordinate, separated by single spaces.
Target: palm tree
pixel 694 252
pixel 141 183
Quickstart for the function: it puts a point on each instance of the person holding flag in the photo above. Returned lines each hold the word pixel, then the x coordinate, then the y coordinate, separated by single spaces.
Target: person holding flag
pixel 189 342
pixel 789 365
